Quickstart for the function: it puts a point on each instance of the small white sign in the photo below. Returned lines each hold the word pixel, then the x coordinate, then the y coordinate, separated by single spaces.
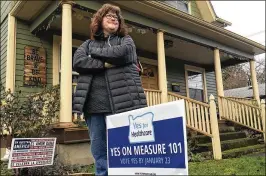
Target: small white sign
pixel 148 141
pixel 141 128
pixel 31 152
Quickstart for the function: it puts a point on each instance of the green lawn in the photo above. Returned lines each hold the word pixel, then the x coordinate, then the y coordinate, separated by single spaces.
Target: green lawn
pixel 246 165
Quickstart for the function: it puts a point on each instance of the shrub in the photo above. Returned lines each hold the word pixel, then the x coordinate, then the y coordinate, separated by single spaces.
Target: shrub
pixel 29 115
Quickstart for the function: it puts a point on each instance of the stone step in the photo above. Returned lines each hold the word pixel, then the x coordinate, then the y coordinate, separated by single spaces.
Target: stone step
pixel 223 137
pixel 225 129
pixel 243 151
pixel 222 123
pixel 229 144
pixel 253 149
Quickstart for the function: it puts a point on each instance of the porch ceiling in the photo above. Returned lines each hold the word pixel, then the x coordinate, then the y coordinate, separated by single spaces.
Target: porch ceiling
pixel 81 19
pixel 29 10
pixel 173 21
pixel 147 41
pixel 186 22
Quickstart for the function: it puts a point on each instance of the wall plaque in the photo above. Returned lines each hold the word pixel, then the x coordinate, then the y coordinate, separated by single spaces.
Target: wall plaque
pixel 175 87
pixel 34 66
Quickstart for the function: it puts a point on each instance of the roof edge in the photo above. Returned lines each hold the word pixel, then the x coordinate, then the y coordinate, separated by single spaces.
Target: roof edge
pixel 205 24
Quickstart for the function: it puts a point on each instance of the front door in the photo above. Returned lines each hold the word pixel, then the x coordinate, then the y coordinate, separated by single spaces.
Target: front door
pixel 150 77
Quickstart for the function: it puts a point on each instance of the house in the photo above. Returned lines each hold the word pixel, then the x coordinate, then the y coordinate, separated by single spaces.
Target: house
pixel 245 92
pixel 182 46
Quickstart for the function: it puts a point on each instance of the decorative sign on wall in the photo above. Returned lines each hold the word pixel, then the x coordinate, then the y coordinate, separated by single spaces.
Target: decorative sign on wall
pixel 175 87
pixel 34 66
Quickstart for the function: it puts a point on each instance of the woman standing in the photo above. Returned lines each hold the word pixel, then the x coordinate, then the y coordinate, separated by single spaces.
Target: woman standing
pixel 109 80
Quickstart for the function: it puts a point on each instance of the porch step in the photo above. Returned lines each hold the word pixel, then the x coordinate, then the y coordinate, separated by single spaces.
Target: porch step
pixel 243 151
pixel 222 123
pixel 226 128
pixel 233 153
pixel 229 144
pixel 223 137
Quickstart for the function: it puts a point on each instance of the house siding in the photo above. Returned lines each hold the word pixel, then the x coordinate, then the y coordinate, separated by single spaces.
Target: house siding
pixel 211 84
pixel 6 6
pixel 194 9
pixel 25 38
pixel 175 70
pixel 3 50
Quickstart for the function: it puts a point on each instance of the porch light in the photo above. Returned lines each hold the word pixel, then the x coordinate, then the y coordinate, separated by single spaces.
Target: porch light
pixel 168 43
pixel 78 15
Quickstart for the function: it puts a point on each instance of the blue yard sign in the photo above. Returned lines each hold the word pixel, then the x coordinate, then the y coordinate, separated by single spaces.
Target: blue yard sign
pixel 150 141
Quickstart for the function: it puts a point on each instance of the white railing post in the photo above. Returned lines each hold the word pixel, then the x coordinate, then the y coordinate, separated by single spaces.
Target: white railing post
pixel 254 81
pixel 263 119
pixel 216 144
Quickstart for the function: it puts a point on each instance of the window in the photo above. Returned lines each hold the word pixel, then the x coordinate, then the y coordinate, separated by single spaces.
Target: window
pixel 180 5
pixel 196 83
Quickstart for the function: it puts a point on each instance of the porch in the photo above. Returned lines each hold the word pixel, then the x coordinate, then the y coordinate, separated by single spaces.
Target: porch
pixel 180 62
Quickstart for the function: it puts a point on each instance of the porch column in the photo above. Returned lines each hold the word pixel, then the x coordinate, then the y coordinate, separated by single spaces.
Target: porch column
pixel 161 66
pixel 254 81
pixel 66 64
pixel 11 54
pixel 218 73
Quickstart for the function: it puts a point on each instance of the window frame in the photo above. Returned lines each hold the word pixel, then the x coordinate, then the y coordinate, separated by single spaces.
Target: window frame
pixel 198 70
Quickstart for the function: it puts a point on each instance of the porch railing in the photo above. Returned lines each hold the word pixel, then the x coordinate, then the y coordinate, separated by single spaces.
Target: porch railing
pixel 153 96
pixel 202 117
pixel 245 100
pixel 197 114
pixel 243 113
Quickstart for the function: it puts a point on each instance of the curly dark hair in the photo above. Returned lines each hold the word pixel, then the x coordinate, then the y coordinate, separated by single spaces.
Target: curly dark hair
pixel 96 22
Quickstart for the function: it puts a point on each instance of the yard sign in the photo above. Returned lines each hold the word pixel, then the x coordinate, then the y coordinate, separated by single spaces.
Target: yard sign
pixel 31 152
pixel 148 141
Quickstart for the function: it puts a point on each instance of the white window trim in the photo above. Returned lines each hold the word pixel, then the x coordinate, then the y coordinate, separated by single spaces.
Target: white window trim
pixel 198 70
pixel 56 56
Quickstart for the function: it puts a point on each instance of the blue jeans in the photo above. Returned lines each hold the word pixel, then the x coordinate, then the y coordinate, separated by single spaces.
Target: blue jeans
pixel 97 132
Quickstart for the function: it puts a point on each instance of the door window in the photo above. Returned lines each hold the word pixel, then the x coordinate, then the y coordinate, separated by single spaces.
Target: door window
pixel 149 77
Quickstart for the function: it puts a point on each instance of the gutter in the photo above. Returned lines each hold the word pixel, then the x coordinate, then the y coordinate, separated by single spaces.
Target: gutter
pixel 203 23
pixel 224 22
pixel 218 19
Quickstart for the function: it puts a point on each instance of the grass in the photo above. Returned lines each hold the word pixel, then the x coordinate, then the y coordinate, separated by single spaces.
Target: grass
pixel 246 165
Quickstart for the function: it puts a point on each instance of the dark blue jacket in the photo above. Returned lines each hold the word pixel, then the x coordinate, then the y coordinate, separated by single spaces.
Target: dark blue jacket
pixel 123 81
